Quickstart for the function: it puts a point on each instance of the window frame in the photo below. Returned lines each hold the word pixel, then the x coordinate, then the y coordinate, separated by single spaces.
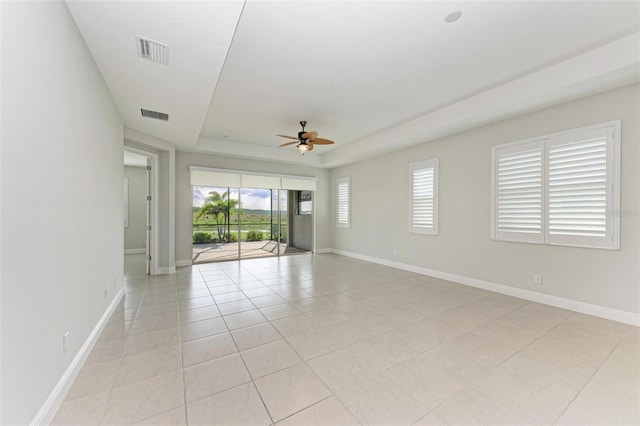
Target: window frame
pixel 611 239
pixel 343 180
pixel 422 165
pixel 496 234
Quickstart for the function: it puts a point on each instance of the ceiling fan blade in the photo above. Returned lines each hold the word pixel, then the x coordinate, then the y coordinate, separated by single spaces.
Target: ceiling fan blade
pixel 310 145
pixel 288 137
pixel 288 143
pixel 310 135
pixel 320 141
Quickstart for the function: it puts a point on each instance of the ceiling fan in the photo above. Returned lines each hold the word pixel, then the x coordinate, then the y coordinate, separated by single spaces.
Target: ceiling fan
pixel 305 140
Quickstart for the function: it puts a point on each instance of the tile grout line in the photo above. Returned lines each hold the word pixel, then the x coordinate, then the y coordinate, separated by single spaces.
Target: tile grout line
pixel 247 368
pixel 122 355
pixel 184 384
pixel 591 377
pixel 498 365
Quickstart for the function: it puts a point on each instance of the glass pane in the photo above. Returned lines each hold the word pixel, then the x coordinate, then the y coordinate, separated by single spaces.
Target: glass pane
pixel 256 220
pixel 275 227
pixel 215 224
pixel 284 220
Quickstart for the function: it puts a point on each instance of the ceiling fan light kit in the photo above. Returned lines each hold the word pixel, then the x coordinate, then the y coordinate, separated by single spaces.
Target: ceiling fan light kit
pixel 305 140
pixel 303 148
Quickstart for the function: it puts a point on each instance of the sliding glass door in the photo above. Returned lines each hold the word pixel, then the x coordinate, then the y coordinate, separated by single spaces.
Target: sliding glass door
pixel 241 223
pixel 215 224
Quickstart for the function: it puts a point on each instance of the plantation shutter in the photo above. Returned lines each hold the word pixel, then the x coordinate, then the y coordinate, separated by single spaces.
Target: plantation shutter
pixel 561 189
pixel 578 189
pixel 343 199
pixel 518 189
pixel 424 197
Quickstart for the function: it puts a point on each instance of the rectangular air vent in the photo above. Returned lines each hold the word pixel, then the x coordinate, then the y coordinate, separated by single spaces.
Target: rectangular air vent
pixel 155 114
pixel 152 50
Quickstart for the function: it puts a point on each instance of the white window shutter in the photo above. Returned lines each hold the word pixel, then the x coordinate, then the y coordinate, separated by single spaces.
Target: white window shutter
pixel 518 183
pixel 343 202
pixel 579 194
pixel 559 189
pixel 424 197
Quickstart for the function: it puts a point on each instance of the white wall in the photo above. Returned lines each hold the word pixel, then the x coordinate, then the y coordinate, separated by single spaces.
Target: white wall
pixel 184 196
pixel 135 235
pixel 62 240
pixel 380 209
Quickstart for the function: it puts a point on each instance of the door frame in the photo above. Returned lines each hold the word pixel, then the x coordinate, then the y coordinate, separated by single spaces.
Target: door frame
pixel 153 190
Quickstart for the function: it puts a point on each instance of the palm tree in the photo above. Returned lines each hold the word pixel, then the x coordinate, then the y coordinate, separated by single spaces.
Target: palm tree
pixel 217 204
pixel 227 205
pixel 214 205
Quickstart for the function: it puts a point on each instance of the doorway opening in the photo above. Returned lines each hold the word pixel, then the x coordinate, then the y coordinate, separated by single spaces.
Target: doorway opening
pixel 139 213
pixel 243 223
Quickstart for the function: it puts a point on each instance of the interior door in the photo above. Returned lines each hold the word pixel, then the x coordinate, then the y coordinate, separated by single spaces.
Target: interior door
pixel 148 209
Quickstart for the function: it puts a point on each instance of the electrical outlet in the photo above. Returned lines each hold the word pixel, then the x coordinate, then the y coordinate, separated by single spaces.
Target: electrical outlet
pixel 65 341
pixel 537 279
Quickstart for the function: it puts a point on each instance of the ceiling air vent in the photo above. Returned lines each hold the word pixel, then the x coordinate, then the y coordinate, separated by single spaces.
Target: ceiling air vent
pixel 155 114
pixel 152 50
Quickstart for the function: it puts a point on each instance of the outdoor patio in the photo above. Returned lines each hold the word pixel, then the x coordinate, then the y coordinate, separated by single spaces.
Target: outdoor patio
pixel 216 252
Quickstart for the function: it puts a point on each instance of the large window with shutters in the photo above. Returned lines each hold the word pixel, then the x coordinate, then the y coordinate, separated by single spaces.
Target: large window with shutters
pixel 424 197
pixel 560 189
pixel 343 202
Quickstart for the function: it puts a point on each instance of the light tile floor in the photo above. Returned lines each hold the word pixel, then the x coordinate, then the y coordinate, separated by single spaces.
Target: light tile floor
pixel 329 340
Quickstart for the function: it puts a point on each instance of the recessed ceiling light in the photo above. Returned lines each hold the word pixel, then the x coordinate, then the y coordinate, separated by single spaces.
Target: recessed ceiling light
pixel 453 16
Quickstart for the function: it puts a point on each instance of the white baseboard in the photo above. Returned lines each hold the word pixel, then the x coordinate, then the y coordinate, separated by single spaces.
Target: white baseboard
pixel 184 262
pixel 57 395
pixel 547 299
pixel 166 270
pixel 323 251
pixel 135 251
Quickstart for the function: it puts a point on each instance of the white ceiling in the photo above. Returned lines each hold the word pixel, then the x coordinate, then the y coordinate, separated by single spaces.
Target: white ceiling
pixel 372 75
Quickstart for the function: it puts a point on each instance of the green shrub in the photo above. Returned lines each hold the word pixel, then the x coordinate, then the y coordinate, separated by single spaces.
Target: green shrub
pixel 234 237
pixel 201 237
pixel 254 235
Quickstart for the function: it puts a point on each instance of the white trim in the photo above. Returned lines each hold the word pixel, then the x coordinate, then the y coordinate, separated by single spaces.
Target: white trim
pixel 126 202
pixel 59 392
pixel 155 206
pixel 547 299
pixel 166 270
pixel 323 251
pixel 184 262
pixel 172 211
pixel 135 251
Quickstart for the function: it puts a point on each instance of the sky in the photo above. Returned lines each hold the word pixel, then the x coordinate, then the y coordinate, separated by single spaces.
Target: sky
pixel 255 199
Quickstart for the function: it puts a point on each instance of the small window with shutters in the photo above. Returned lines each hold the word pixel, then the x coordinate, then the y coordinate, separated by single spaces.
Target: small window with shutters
pixel 560 189
pixel 343 191
pixel 424 197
